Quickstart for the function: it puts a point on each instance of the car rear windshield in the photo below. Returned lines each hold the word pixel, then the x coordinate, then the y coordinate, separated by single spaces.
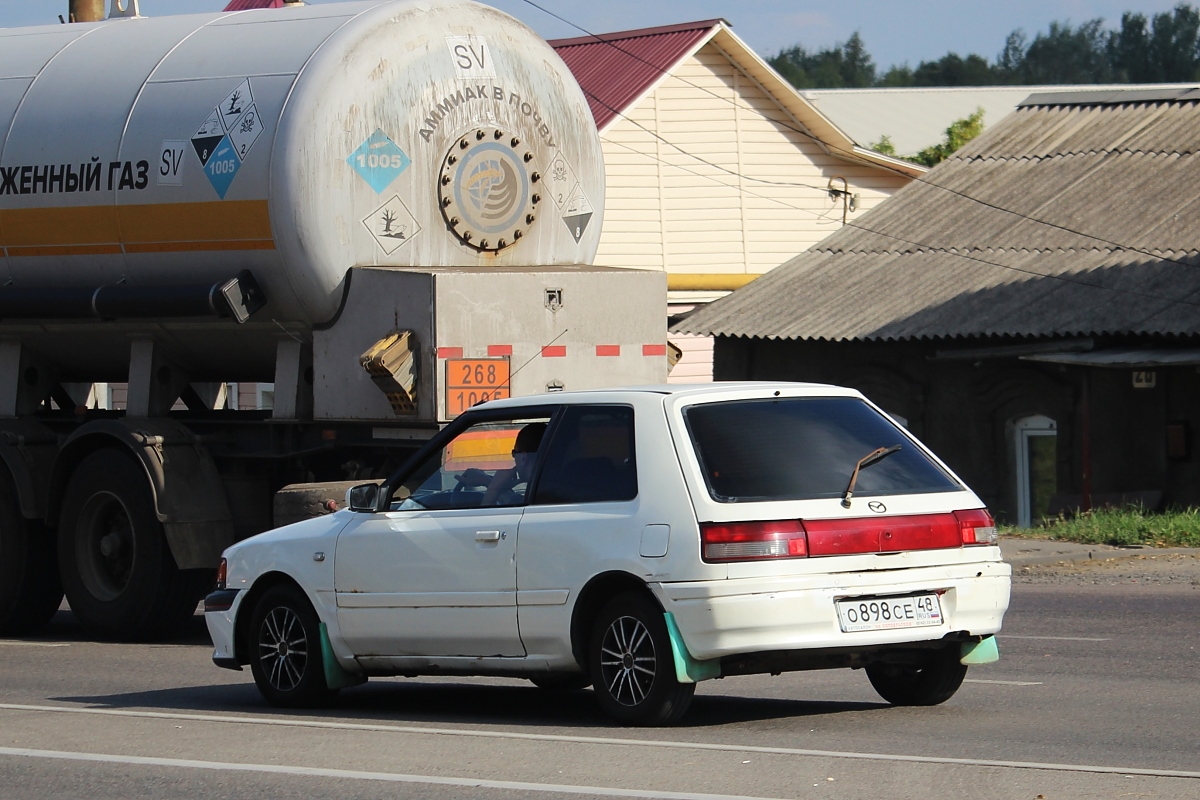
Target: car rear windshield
pixel 804 448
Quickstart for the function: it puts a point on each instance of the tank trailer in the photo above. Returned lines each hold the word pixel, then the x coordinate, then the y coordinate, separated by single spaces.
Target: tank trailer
pixel 382 213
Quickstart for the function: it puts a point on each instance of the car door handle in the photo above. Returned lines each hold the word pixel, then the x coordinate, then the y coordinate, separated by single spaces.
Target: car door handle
pixel 487 536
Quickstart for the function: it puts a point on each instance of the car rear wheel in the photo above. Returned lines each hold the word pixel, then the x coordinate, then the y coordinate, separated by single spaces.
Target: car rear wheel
pixel 632 667
pixel 928 684
pixel 285 650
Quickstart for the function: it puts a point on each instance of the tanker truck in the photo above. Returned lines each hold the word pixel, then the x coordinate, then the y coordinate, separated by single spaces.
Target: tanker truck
pixel 387 212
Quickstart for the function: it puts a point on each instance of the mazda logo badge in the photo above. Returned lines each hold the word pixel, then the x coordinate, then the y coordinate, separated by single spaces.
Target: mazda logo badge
pixel 877 506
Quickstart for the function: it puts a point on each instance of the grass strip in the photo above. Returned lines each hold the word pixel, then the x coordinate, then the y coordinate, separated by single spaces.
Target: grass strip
pixel 1119 526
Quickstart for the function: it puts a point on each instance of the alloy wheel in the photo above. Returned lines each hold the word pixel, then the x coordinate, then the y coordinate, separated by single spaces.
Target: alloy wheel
pixel 627 661
pixel 283 648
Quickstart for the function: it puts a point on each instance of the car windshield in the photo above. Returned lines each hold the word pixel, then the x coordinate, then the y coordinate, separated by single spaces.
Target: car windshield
pixel 804 448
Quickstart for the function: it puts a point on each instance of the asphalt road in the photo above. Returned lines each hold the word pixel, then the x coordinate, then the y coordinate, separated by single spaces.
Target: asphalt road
pixel 1097 694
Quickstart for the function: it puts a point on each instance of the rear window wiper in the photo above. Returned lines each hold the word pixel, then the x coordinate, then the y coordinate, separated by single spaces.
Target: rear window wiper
pixel 873 457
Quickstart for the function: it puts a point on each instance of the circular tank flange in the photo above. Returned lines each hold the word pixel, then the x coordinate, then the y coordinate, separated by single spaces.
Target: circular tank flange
pixel 488 189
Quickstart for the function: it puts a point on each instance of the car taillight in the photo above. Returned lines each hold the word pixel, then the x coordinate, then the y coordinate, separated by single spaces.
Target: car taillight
pixel 977 526
pixel 752 541
pixel 222 573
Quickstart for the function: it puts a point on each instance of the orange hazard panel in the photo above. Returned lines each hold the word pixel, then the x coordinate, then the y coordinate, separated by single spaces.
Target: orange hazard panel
pixel 475 380
pixel 482 449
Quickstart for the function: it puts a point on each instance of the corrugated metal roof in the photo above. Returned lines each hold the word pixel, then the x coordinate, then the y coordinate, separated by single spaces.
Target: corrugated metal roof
pixel 246 5
pixel 914 118
pixel 1062 220
pixel 615 69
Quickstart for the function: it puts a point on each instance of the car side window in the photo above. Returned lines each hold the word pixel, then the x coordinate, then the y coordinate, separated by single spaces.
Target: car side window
pixel 591 458
pixel 488 464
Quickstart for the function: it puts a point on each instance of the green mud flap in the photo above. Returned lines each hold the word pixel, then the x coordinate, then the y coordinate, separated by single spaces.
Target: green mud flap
pixel 336 677
pixel 981 652
pixel 688 669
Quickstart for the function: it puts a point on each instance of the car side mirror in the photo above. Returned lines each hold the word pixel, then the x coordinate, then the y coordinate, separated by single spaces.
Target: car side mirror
pixel 363 498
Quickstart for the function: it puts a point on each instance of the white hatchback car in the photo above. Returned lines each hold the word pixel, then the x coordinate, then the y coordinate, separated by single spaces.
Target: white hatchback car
pixel 638 540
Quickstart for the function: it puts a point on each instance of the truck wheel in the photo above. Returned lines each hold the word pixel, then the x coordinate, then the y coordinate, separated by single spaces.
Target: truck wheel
pixel 120 578
pixel 285 650
pixel 30 591
pixel 930 684
pixel 633 670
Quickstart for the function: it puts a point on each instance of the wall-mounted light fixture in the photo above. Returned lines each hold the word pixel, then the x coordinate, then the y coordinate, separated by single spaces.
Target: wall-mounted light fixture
pixel 849 201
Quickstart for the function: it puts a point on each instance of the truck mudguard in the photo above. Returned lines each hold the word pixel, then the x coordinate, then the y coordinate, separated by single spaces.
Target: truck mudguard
pixel 189 499
pixel 28 450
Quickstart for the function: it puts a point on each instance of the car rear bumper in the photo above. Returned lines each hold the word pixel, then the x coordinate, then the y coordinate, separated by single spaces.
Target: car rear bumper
pixel 748 615
pixel 220 613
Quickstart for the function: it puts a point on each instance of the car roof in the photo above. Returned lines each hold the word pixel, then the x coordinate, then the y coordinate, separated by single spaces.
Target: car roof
pixel 673 390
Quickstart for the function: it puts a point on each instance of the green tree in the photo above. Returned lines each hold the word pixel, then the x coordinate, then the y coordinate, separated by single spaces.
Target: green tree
pixel 958 134
pixel 953 70
pixel 901 75
pixel 845 65
pixel 1164 48
pixel 884 145
pixel 1168 50
pixel 1067 55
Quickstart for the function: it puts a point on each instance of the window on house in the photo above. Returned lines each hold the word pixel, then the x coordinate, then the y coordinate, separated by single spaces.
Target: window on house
pixel 1037 470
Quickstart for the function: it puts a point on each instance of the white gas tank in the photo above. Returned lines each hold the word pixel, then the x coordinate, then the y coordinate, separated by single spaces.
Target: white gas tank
pixel 294 143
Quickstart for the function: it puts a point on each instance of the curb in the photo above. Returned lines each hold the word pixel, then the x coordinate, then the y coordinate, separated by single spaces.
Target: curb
pixel 1021 552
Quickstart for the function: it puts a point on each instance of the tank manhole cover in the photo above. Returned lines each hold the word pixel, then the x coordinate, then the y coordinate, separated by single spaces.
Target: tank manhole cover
pixel 488 189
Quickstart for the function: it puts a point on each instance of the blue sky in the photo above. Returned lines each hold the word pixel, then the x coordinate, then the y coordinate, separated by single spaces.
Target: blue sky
pixel 895 31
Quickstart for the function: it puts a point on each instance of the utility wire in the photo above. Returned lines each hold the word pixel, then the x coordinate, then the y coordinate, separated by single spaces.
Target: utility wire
pixel 925 246
pixel 834 148
pixel 922 245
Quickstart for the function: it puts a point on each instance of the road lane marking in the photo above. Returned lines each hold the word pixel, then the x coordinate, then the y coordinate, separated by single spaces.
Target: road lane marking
pixel 1004 683
pixel 34 644
pixel 600 740
pixel 355 775
pixel 1054 638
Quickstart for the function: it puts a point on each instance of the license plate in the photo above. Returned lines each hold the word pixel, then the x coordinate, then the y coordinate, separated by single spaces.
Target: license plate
pixel 886 613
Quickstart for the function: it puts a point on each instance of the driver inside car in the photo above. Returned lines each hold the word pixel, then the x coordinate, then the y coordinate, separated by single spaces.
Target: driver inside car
pixel 500 487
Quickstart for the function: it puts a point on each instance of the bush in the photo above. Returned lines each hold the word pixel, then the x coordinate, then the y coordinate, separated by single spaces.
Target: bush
pixel 1121 526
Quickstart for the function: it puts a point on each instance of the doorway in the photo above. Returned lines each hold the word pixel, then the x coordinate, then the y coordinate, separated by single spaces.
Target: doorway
pixel 1037 470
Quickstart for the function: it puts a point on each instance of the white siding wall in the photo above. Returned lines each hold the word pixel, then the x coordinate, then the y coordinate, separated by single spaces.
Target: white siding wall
pixel 731 189
pixel 708 174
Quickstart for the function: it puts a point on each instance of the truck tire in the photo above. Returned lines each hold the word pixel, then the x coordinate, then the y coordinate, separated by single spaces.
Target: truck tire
pixel 117 569
pixel 30 591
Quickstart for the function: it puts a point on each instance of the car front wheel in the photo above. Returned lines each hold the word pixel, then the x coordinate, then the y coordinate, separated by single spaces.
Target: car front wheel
pixel 632 667
pixel 928 684
pixel 285 650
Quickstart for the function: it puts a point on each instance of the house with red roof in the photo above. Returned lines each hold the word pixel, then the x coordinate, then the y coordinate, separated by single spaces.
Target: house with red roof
pixel 718 170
